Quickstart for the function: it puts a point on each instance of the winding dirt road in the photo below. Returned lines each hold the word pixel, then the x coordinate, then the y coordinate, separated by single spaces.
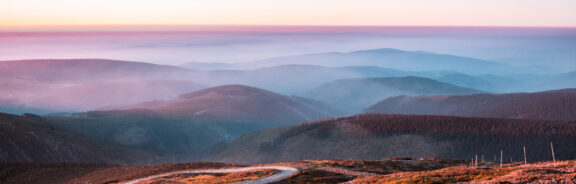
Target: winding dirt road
pixel 285 172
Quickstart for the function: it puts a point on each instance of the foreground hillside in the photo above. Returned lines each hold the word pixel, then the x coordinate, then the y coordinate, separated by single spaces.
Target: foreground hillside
pixel 517 172
pixel 375 136
pixel 399 170
pixel 35 139
pixel 357 94
pixel 547 105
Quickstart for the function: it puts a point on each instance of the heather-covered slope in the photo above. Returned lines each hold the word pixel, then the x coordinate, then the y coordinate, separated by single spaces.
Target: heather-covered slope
pixel 547 105
pixel 32 138
pixel 354 95
pixel 375 136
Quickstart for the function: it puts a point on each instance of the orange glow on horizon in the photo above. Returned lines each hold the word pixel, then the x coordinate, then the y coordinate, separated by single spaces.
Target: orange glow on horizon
pixel 59 13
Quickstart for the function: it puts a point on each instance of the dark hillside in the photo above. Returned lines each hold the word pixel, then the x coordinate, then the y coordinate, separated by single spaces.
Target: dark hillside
pixel 547 105
pixel 377 136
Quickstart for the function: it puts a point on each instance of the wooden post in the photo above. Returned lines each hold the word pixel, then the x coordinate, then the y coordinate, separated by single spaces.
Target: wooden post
pixel 524 155
pixel 553 158
pixel 476 161
pixel 501 155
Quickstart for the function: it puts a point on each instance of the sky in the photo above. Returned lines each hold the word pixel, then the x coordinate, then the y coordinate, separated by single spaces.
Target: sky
pixel 546 13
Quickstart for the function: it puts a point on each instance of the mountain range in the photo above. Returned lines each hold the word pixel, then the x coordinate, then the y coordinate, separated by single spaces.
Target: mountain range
pixel 394 58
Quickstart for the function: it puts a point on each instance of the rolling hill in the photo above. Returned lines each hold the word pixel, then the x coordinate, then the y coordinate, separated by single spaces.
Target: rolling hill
pixel 377 136
pixel 85 84
pixel 233 103
pixel 32 138
pixel 183 128
pixel 85 70
pixel 297 78
pixel 354 95
pixel 547 105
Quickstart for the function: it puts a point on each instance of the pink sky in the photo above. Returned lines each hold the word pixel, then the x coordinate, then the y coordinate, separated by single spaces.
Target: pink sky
pixel 547 13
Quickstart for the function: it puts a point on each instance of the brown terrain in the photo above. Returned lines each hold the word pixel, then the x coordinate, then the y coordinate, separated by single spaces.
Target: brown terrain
pixel 215 178
pixel 396 170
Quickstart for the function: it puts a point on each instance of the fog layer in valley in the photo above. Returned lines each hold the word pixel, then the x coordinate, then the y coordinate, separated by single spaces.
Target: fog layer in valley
pixel 201 93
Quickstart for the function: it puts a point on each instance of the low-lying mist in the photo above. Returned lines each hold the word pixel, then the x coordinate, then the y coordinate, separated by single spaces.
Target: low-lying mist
pixel 552 48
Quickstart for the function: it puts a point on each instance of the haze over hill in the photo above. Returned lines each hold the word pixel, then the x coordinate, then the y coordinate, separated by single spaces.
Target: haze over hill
pixel 297 79
pixel 26 81
pixel 551 47
pixel 84 70
pixel 84 84
pixel 151 92
pixel 354 95
pixel 183 128
pixel 91 96
pixel 547 105
pixel 376 136
pixel 394 58
pixel 234 103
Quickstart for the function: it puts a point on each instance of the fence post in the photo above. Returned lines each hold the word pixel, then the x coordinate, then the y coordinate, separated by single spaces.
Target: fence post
pixel 553 158
pixel 476 161
pixel 501 155
pixel 524 155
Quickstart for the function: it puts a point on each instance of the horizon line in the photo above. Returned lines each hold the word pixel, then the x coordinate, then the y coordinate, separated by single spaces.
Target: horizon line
pixel 164 26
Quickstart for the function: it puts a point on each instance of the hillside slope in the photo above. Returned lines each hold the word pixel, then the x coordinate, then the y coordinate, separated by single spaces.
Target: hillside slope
pixel 354 95
pixel 547 105
pixel 375 136
pixel 90 96
pixel 233 103
pixel 85 70
pixel 183 128
pixel 31 138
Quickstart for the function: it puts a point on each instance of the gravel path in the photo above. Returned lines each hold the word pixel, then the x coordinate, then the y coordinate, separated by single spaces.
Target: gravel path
pixel 285 172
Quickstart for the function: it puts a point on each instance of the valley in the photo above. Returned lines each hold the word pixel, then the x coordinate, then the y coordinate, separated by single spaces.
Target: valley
pixel 348 112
